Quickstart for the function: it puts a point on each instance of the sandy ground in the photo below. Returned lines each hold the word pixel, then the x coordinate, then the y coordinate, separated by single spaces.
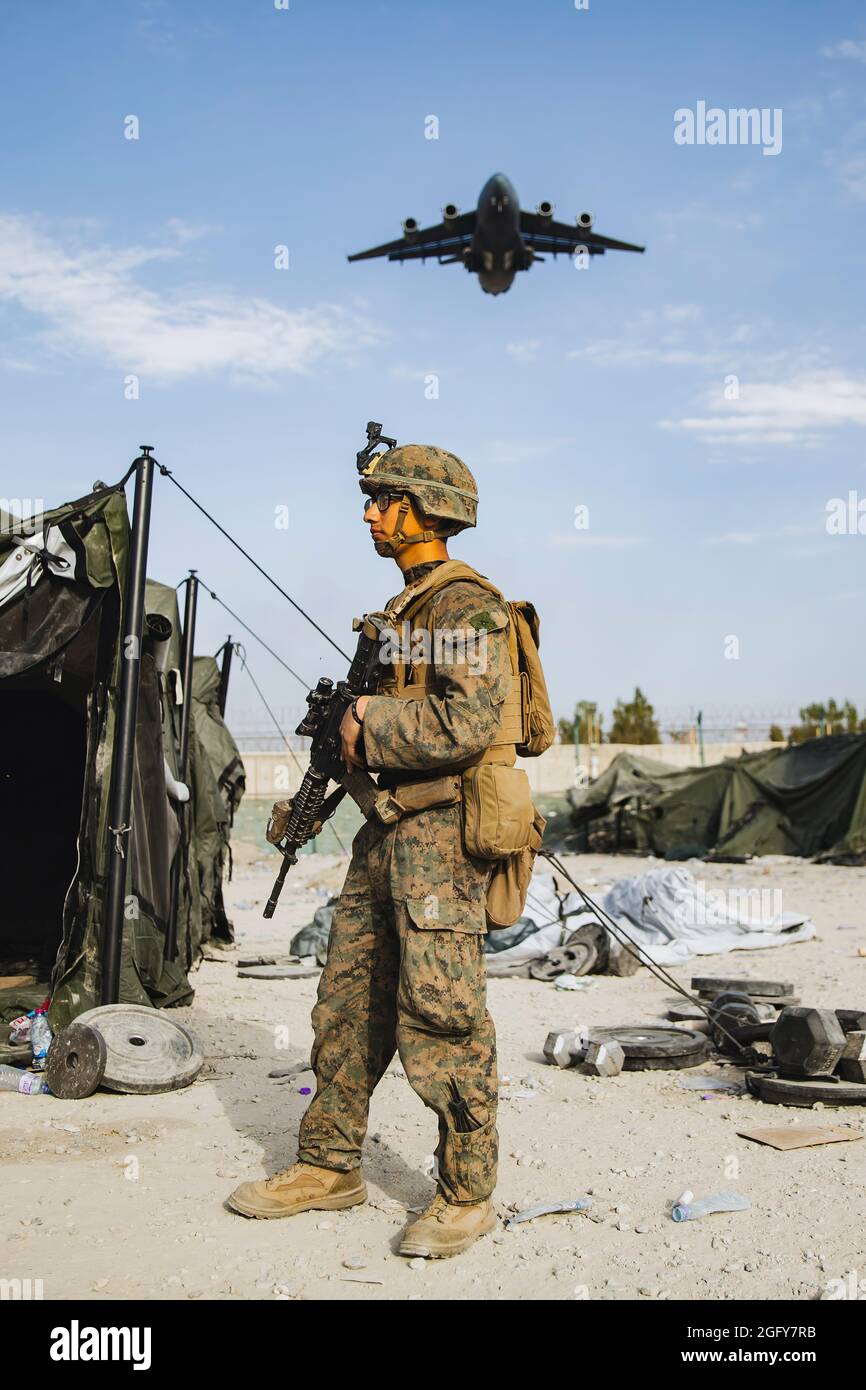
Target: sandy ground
pixel 122 1196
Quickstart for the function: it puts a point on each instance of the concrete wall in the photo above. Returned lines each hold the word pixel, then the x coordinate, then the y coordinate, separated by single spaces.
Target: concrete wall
pixel 275 775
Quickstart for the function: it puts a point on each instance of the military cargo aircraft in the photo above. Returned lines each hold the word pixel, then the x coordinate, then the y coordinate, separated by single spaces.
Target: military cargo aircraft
pixel 497 239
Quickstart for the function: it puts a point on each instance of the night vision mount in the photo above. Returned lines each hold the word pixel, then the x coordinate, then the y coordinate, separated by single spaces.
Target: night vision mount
pixel 375 437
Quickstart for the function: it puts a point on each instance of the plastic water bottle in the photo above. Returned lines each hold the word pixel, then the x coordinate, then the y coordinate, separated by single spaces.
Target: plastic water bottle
pixel 29 1083
pixel 721 1201
pixel 40 1040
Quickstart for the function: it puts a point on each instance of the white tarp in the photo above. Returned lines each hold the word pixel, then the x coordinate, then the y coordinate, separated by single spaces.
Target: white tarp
pixel 33 554
pixel 670 914
pixel 674 916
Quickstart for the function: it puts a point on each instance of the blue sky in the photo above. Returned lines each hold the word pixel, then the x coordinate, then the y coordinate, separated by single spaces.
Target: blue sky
pixel 602 388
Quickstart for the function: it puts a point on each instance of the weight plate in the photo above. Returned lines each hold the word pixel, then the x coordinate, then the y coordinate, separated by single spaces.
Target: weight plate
pixel 75 1063
pixel 777 1090
pixel 640 1044
pixel 279 972
pixel 562 960
pixel 687 1059
pixel 147 1051
pixel 715 984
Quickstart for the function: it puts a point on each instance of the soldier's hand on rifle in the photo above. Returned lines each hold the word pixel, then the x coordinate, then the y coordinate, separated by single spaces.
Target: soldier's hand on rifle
pixel 351 735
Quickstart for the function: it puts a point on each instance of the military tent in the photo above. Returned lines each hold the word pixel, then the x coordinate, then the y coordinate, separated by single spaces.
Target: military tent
pixel 808 799
pixel 62 593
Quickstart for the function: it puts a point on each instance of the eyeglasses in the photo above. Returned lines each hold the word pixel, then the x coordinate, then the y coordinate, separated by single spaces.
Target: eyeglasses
pixel 382 500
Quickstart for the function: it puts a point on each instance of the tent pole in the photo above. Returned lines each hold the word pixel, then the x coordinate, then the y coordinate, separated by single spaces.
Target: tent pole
pixel 186 660
pixel 225 672
pixel 120 799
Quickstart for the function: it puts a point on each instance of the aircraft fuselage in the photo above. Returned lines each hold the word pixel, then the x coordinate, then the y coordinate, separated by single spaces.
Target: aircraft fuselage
pixel 497 251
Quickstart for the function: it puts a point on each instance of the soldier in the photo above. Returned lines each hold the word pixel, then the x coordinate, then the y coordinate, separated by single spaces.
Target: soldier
pixel 405 968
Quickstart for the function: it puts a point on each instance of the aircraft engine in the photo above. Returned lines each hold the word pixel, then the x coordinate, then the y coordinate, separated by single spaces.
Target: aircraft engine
pixel 410 228
pixel 545 210
pixel 450 212
pixel 584 221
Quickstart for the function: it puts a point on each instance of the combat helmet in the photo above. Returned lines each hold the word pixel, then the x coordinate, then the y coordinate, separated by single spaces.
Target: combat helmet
pixel 439 482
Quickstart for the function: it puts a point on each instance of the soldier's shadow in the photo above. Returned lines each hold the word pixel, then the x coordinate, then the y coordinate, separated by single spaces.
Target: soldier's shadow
pixel 238 1057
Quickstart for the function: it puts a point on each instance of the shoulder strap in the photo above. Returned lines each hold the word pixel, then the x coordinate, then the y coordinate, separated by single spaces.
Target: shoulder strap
pixel 449 572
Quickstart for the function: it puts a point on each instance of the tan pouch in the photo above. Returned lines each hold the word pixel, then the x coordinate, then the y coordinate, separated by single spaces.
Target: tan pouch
pixel 497 811
pixel 506 893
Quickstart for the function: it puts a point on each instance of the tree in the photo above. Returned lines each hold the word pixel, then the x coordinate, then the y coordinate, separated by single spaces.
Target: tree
pixel 634 722
pixel 825 719
pixel 566 730
pixel 776 735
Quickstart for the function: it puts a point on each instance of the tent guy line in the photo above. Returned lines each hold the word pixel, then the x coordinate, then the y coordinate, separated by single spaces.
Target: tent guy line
pixel 308 685
pixel 167 473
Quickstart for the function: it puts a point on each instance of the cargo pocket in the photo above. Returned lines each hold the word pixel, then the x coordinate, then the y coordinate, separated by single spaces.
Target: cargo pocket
pixel 443 984
pixel 467 1164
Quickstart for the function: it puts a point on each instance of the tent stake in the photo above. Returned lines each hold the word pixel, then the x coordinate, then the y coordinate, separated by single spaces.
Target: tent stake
pixel 187 652
pixel 124 749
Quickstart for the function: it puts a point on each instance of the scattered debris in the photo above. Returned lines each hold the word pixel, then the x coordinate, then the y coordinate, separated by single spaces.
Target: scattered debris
pixel 799 1137
pixel 28 1083
pixel 705 1206
pixel 547 1209
pixel 725 1085
pixel 572 982
pixel 286 1073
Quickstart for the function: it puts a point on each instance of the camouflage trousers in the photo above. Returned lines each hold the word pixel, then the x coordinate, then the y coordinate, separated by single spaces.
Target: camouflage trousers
pixel 406 973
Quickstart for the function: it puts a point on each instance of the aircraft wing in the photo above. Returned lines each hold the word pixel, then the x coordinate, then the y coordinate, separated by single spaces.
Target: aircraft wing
pixel 543 234
pixel 442 240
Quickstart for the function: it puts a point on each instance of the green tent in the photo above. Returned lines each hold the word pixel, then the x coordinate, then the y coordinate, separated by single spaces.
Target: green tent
pixel 62 592
pixel 809 799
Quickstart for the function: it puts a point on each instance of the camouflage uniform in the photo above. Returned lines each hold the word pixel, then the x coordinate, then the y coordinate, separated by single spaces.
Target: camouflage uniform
pixel 405 968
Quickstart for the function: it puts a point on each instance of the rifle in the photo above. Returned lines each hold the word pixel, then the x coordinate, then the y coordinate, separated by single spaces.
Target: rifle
pixel 308 808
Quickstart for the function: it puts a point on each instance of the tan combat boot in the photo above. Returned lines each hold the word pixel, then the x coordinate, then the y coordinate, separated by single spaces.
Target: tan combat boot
pixel 445 1229
pixel 302 1187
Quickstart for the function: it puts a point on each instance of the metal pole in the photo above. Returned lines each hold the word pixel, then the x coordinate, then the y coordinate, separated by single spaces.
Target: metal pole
pixel 225 672
pixel 700 723
pixel 186 660
pixel 124 742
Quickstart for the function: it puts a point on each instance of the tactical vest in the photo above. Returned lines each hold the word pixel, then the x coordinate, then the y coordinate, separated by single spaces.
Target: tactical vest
pixel 406 680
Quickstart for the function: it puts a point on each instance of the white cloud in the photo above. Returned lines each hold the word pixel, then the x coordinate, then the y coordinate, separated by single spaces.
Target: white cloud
pixel 502 452
pixel 95 306
pixel 584 540
pixel 846 48
pixel 795 411
pixel 525 351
